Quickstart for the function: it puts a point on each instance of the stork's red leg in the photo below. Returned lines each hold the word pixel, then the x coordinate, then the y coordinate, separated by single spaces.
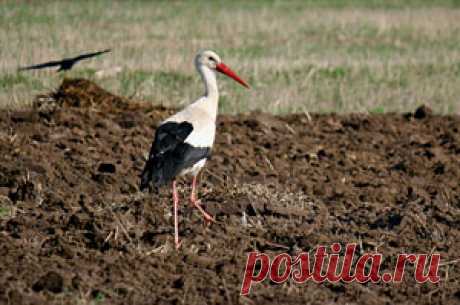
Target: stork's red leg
pixel 197 204
pixel 176 220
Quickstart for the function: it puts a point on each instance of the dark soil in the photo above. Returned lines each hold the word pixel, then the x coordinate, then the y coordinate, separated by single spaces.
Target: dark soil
pixel 75 230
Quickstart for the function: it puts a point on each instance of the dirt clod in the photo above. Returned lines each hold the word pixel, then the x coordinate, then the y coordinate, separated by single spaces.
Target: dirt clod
pixel 106 168
pixel 51 282
pixel 422 112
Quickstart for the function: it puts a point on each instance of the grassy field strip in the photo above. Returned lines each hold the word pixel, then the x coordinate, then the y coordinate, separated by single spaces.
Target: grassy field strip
pixel 297 56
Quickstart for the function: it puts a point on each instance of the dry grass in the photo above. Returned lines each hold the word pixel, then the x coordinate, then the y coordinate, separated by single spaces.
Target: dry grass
pixel 297 55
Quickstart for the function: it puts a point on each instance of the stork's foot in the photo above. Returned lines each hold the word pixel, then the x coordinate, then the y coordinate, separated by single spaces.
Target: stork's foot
pixel 178 244
pixel 208 218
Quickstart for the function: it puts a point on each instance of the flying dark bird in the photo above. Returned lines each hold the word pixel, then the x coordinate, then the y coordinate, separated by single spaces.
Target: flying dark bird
pixel 183 141
pixel 66 63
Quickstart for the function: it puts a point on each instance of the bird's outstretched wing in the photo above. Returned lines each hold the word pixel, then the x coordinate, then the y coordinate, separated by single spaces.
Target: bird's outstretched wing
pixel 65 63
pixel 89 55
pixel 43 65
pixel 170 154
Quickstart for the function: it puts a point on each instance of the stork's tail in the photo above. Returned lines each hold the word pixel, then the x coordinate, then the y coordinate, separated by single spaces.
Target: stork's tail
pixel 153 174
pixel 146 177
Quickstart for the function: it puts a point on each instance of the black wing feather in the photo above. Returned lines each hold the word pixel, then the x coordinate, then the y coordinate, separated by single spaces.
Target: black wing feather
pixel 168 136
pixel 43 65
pixel 169 154
pixel 88 55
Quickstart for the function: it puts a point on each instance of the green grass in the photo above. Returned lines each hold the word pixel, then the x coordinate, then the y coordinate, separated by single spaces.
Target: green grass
pixel 333 55
pixel 4 212
pixel 98 299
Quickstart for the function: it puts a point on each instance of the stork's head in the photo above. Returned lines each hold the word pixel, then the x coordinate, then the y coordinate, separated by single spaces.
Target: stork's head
pixel 212 61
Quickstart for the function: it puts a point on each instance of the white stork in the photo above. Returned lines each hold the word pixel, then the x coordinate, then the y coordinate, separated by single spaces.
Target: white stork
pixel 183 141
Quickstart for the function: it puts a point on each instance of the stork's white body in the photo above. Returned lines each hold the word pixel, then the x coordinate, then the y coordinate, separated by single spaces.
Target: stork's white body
pixel 202 116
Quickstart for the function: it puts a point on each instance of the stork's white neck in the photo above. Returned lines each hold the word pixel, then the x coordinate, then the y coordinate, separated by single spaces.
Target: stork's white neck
pixel 210 83
pixel 211 97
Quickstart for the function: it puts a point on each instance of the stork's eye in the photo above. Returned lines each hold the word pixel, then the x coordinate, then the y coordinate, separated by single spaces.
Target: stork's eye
pixel 211 59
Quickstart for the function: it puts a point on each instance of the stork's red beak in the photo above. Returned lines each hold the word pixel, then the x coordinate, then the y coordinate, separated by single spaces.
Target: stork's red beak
pixel 227 71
